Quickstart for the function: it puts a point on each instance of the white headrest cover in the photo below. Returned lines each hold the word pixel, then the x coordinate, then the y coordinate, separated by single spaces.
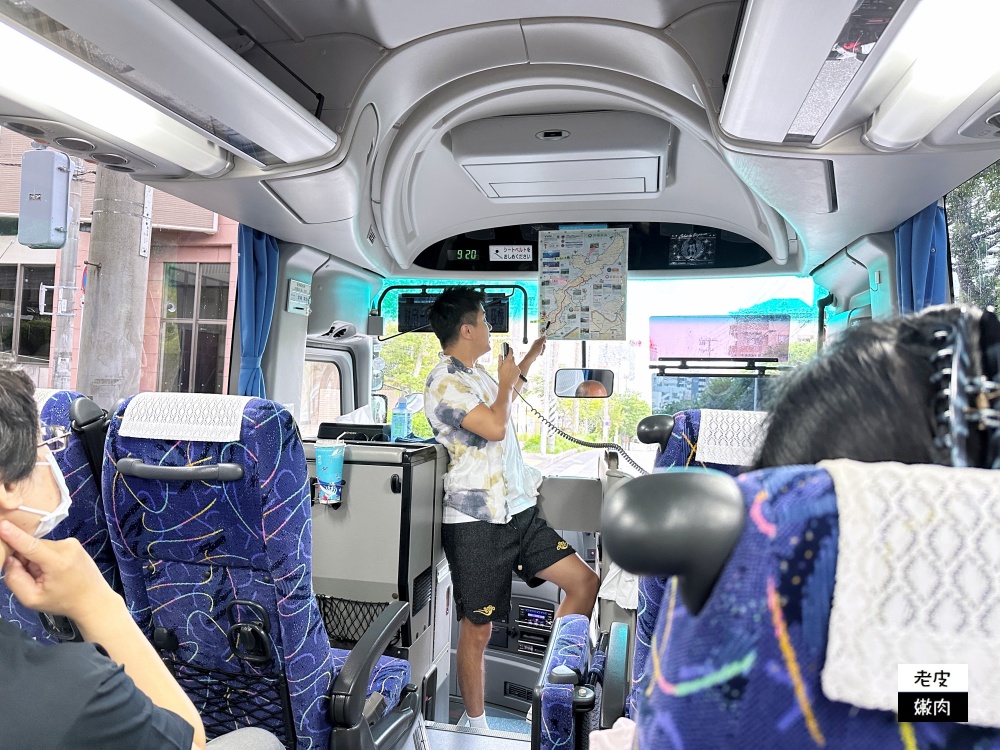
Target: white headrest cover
pixel 203 417
pixel 729 437
pixel 917 556
pixel 42 395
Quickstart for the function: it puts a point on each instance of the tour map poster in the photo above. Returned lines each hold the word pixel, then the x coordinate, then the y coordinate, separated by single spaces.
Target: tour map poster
pixel 581 283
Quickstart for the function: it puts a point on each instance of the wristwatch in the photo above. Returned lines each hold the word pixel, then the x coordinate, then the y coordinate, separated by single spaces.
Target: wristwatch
pixel 521 375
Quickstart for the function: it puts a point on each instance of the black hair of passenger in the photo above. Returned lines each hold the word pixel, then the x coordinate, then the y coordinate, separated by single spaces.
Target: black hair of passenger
pixel 867 397
pixel 18 425
pixel 454 307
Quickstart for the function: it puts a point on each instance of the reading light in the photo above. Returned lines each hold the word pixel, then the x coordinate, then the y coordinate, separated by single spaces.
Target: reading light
pixel 954 51
pixel 48 81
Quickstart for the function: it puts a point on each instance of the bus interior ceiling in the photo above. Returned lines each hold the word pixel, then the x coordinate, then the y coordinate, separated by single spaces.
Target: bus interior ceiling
pixel 445 117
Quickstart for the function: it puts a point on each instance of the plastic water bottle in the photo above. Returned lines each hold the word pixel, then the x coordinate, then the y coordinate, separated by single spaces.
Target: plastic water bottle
pixel 401 420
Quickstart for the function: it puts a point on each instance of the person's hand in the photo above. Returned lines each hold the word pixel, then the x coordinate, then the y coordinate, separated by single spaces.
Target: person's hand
pixel 53 576
pixel 508 373
pixel 537 347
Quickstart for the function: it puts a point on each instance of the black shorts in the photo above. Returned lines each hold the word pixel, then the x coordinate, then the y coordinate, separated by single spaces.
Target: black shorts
pixel 483 555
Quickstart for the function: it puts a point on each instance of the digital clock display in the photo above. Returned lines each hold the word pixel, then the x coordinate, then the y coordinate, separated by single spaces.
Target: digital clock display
pixel 458 253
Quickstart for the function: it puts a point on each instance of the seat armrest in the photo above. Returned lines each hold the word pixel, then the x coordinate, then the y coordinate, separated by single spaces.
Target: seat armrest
pixel 397 723
pixel 616 678
pixel 347 699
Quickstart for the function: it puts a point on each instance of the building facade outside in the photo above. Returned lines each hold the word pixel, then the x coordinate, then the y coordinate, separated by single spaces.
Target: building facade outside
pixel 190 299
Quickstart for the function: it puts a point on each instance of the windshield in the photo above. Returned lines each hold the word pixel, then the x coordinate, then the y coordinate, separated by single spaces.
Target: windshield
pixel 738 311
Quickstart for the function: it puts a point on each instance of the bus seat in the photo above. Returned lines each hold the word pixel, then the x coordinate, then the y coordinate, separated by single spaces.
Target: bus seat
pixel 568 694
pixel 731 435
pixel 86 522
pixel 741 662
pixel 209 507
pixel 728 439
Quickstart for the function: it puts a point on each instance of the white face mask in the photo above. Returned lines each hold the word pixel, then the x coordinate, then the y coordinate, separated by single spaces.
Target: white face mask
pixel 51 518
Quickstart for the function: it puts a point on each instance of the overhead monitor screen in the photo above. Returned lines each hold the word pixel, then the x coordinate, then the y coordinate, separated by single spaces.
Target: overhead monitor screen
pixel 720 337
pixel 413 312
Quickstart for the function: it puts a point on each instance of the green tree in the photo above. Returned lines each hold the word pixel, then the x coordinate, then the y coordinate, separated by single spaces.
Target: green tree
pixel 584 418
pixel 800 352
pixel 627 409
pixel 973 210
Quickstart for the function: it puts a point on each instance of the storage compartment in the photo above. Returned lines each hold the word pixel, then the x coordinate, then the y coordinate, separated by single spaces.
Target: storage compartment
pixel 588 153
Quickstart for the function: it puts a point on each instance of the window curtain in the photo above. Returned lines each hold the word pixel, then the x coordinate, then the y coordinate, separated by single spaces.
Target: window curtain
pixel 922 260
pixel 256 286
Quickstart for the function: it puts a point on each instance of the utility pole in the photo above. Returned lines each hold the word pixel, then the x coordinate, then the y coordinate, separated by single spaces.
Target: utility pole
pixel 115 313
pixel 64 296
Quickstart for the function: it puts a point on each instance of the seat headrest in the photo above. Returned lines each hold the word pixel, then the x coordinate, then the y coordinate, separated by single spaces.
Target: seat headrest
pixel 202 417
pixel 683 522
pixel 42 395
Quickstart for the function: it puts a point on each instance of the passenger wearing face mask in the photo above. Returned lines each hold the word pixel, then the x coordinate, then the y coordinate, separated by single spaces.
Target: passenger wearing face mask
pixel 111 691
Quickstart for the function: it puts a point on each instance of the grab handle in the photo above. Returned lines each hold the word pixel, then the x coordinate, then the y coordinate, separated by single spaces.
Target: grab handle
pixel 134 467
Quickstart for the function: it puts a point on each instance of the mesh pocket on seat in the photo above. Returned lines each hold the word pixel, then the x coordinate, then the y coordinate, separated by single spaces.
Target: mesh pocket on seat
pixel 228 701
pixel 346 620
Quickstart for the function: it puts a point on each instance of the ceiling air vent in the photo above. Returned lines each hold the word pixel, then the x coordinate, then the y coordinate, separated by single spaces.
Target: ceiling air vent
pixel 75 144
pixel 109 160
pixel 29 130
pixel 564 156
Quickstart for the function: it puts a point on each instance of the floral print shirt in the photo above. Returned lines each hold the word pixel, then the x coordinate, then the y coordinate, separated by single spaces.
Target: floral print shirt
pixel 486 480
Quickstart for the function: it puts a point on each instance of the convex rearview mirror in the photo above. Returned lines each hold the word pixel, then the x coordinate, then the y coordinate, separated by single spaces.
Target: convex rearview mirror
pixel 584 382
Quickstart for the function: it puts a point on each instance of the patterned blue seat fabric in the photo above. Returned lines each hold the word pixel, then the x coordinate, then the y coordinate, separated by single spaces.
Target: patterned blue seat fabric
pixel 570 649
pixel 680 452
pixel 745 672
pixel 189 549
pixel 85 522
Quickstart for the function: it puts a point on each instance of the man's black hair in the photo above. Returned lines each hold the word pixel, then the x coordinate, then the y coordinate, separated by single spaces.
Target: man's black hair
pixel 18 425
pixel 868 397
pixel 454 307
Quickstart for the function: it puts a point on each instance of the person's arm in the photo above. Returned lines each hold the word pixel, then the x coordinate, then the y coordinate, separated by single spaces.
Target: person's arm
pixel 490 421
pixel 61 578
pixel 537 347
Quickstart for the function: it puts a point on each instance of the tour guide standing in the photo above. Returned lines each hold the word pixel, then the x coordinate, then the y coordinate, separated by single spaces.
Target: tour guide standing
pixel 490 523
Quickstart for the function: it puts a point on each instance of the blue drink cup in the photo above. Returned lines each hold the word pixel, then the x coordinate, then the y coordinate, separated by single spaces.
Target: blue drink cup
pixel 330 471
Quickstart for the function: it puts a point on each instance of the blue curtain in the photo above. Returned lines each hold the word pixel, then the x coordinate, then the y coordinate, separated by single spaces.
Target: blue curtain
pixel 922 260
pixel 257 285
